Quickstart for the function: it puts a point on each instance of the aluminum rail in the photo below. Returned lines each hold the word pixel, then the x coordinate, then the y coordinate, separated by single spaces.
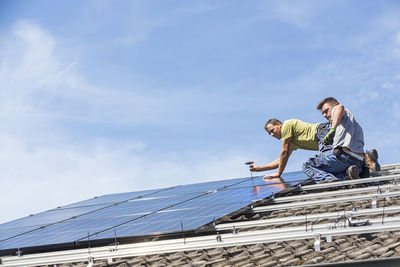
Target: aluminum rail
pixel 390 166
pixel 385 172
pixel 301 204
pixel 196 243
pixel 337 193
pixel 309 218
pixel 351 182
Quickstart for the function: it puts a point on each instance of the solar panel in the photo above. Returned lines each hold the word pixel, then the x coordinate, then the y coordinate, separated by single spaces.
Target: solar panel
pixel 150 212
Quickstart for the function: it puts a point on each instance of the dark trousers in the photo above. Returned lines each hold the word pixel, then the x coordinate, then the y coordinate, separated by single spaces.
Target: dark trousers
pixel 329 164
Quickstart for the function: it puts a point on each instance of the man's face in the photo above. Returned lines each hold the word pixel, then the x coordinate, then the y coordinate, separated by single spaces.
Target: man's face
pixel 326 111
pixel 274 130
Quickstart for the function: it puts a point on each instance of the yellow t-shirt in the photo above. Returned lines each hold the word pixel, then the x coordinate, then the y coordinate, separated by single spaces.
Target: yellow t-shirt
pixel 303 134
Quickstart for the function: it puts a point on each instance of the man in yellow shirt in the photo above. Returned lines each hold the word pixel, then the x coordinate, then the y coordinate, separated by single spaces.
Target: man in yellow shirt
pixel 345 135
pixel 295 134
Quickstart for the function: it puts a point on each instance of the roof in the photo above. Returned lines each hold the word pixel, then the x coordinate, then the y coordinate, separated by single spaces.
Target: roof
pixel 350 221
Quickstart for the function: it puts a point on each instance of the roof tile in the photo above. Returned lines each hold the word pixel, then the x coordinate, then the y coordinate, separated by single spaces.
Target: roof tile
pixel 282 254
pixel 292 262
pixel 256 249
pixel 268 263
pixel 364 256
pixel 388 254
pixel 198 263
pixel 315 260
pixel 239 260
pixel 302 252
pixel 380 251
pixel 339 258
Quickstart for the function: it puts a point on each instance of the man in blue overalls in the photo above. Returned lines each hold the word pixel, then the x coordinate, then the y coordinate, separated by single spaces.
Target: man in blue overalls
pixel 341 148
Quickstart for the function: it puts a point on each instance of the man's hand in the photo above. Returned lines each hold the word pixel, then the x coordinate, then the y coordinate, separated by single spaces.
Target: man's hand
pixel 272 175
pixel 328 139
pixel 253 168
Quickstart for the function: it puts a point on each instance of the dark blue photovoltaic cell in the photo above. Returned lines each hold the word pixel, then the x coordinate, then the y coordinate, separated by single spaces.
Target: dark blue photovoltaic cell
pixel 141 213
pixel 136 207
pixel 199 188
pixel 48 217
pixel 113 198
pixel 177 190
pixel 36 221
pixel 173 220
pixel 157 223
pixel 9 232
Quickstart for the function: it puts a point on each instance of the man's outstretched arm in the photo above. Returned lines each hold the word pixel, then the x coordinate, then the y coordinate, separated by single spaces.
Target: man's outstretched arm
pixel 266 167
pixel 283 159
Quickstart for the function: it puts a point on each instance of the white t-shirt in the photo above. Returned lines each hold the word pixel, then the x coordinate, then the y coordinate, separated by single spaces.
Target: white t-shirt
pixel 348 133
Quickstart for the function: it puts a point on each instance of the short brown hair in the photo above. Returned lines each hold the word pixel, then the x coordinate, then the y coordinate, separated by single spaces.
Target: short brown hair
pixel 273 121
pixel 329 100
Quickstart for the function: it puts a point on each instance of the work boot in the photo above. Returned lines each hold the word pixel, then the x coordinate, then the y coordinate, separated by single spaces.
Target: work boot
pixel 371 159
pixel 352 173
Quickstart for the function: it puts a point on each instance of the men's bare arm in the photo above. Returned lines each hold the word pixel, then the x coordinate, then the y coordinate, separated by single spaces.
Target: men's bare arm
pixel 337 116
pixel 283 159
pixel 285 154
pixel 266 167
pixel 335 119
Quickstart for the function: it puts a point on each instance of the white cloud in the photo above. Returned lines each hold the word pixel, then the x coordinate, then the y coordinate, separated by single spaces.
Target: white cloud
pixel 43 167
pixel 41 82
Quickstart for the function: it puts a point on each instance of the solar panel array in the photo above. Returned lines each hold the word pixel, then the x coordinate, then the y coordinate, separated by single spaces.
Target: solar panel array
pixel 150 212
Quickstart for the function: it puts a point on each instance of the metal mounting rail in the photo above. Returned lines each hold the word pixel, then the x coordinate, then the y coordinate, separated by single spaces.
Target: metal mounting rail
pixel 390 166
pixel 385 172
pixel 337 193
pixel 301 204
pixel 351 182
pixel 196 243
pixel 308 218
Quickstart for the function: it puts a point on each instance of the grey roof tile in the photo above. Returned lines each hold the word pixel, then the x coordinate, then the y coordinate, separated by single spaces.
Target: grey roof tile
pixel 275 246
pixel 219 262
pixel 135 260
pixel 198 263
pixel 394 245
pixel 388 254
pixel 239 260
pixel 286 259
pixel 303 252
pixel 364 256
pixel 256 249
pixel 292 262
pixel 354 252
pixel 328 250
pixel 315 260
pixel 267 263
pixel 339 258
pixel 380 251
pixel 282 254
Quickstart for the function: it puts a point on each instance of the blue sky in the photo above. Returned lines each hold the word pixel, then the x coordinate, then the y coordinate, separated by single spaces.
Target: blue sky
pixel 101 97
